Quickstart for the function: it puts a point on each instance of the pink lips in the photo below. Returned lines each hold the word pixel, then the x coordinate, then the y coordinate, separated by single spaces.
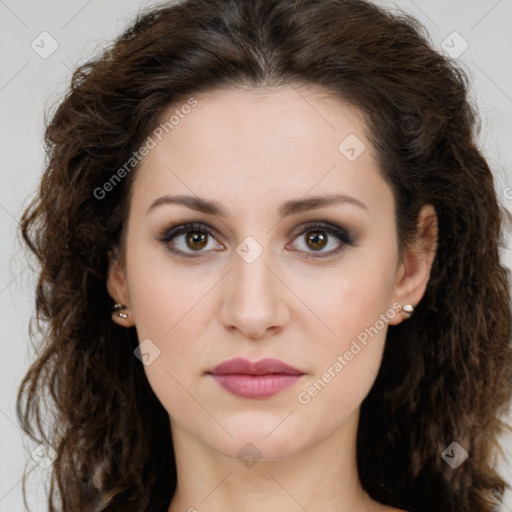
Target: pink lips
pixel 260 379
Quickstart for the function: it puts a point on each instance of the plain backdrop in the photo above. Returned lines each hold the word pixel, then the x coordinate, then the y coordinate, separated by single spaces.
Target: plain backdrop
pixel 33 75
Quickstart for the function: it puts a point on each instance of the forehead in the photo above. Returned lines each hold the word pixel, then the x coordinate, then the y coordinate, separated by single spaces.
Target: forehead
pixel 284 141
pixel 234 114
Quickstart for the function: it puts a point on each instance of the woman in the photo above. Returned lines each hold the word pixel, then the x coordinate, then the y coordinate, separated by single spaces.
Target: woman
pixel 270 275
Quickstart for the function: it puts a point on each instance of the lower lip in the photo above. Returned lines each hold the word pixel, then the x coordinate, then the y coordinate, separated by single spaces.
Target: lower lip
pixel 256 386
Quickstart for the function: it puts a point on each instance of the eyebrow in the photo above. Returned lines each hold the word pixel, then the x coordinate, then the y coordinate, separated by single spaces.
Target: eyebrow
pixel 292 207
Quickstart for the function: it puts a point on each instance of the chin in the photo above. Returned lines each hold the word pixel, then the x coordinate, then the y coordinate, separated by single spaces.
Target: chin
pixel 258 440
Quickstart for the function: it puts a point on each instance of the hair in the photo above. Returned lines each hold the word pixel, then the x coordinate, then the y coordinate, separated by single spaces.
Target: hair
pixel 446 373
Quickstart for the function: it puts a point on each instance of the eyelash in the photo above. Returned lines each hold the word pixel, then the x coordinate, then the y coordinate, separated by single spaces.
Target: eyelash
pixel 342 234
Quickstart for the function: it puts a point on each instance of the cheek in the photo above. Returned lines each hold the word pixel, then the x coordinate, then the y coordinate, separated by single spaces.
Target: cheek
pixel 353 305
pixel 356 307
pixel 169 304
pixel 164 293
pixel 350 295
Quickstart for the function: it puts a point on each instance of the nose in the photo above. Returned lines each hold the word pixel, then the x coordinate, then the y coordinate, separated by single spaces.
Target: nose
pixel 254 298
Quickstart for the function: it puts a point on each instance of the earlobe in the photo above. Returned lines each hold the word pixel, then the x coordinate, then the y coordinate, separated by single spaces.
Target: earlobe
pixel 414 273
pixel 121 315
pixel 118 291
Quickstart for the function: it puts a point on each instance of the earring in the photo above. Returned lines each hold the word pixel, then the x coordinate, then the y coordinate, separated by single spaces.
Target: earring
pixel 118 310
pixel 408 310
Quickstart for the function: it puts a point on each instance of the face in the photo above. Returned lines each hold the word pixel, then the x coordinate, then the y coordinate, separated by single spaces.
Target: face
pixel 314 286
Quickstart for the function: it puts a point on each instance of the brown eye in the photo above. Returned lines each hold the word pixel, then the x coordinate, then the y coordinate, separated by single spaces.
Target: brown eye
pixel 316 240
pixel 187 239
pixel 191 240
pixel 196 240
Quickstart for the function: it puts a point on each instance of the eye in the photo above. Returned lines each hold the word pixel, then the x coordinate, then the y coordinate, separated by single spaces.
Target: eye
pixel 193 237
pixel 318 237
pixel 196 239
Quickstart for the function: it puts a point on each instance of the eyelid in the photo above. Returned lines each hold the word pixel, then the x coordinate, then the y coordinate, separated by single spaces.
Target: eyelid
pixel 184 227
pixel 339 231
pixel 343 234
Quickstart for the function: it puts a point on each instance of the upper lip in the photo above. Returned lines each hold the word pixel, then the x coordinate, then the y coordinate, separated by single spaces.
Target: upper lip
pixel 265 366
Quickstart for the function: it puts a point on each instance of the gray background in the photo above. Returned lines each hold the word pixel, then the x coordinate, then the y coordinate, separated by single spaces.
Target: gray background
pixel 30 83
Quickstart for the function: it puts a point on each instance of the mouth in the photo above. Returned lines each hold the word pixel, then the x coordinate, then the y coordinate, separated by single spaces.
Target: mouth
pixel 256 380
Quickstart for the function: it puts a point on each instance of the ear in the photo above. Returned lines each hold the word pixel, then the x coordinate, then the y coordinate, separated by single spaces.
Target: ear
pixel 414 270
pixel 117 288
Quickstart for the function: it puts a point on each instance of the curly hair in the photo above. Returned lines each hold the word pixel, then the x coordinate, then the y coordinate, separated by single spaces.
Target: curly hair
pixel 446 373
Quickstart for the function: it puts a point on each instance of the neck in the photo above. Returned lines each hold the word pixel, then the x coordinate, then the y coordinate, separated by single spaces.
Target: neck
pixel 316 478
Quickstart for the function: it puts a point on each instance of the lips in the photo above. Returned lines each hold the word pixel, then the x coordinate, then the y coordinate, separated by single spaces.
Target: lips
pixel 257 380
pixel 266 366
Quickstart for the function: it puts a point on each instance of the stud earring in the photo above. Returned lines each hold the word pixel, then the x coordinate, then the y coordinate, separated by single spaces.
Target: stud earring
pixel 118 310
pixel 408 310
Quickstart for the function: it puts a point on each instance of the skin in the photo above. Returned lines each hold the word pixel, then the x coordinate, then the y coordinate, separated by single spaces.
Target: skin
pixel 252 150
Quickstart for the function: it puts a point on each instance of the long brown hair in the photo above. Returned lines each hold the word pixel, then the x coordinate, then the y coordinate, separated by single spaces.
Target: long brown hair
pixel 446 374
